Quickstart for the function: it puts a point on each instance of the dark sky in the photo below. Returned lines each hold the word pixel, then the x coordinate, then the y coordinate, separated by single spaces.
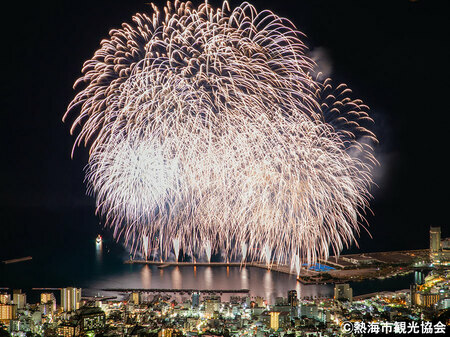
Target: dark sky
pixel 393 54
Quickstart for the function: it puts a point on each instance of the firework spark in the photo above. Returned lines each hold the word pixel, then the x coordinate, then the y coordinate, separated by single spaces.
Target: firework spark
pixel 208 133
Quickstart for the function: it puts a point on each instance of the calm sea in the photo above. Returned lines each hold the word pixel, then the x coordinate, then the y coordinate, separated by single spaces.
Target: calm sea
pixel 65 254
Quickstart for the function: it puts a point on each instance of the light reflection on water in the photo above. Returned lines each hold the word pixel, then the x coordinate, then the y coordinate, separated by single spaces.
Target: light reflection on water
pixel 260 282
pixel 208 278
pixel 244 278
pixel 80 262
pixel 146 277
pixel 99 252
pixel 177 279
pixel 267 284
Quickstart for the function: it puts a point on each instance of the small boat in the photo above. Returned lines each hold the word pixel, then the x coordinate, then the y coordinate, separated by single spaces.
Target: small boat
pixel 98 239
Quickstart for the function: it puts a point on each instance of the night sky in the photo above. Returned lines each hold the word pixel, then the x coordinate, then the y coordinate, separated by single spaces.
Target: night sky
pixel 392 54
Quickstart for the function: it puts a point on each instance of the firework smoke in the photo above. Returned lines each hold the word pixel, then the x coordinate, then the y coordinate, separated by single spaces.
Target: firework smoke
pixel 208 132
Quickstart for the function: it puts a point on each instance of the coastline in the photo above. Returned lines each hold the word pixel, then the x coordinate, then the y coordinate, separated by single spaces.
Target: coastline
pixel 344 269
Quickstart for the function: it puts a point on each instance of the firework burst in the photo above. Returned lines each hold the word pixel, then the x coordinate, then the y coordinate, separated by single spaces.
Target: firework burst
pixel 207 133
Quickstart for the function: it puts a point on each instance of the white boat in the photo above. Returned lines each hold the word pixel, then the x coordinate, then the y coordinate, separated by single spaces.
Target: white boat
pixel 98 239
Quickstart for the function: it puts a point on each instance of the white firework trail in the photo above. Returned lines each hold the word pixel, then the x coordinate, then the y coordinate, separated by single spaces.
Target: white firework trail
pixel 243 251
pixel 208 252
pixel 205 125
pixel 145 239
pixel 176 248
pixel 267 255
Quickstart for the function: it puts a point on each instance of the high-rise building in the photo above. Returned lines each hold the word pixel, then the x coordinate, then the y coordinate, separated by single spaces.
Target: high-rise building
pixel 90 320
pixel 274 320
pixel 68 329
pixel 445 244
pixel 259 301
pixel 5 298
pixel 435 239
pixel 70 298
pixel 47 297
pixel 19 298
pixel 212 304
pixel 435 245
pixel 7 312
pixel 292 298
pixel 134 298
pixel 49 301
pixel 195 299
pixel 293 303
pixel 423 298
pixel 343 292
pixel 445 252
pixel 309 310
